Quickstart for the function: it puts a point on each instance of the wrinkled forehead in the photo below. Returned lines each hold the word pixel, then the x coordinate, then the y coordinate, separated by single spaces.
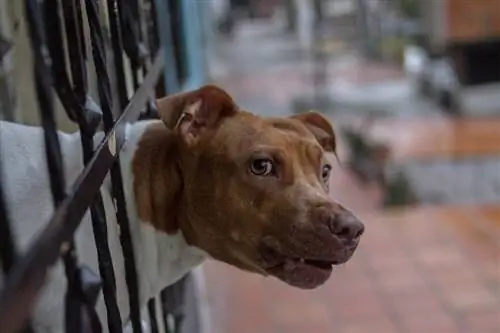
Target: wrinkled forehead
pixel 290 132
pixel 248 134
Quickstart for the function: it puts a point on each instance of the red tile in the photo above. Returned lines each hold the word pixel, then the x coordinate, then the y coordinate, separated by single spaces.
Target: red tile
pixel 384 245
pixel 249 320
pixel 432 329
pixel 391 259
pixel 400 278
pixel 347 284
pixel 366 307
pixel 419 234
pixel 429 321
pixel 483 321
pixel 292 296
pixel 470 296
pixel 381 281
pixel 440 257
pixel 371 327
pixel 491 270
pixel 415 301
pixel 312 314
pixel 453 276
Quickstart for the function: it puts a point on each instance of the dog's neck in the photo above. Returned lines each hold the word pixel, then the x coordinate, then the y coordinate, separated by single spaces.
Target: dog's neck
pixel 157 182
pixel 150 160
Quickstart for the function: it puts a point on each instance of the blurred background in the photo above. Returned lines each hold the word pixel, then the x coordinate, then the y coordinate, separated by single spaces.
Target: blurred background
pixel 413 90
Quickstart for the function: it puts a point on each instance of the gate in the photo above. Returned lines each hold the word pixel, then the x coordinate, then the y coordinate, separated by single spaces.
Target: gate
pixel 126 32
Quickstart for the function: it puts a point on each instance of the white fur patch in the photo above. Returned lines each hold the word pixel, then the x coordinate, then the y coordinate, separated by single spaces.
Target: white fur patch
pixel 161 259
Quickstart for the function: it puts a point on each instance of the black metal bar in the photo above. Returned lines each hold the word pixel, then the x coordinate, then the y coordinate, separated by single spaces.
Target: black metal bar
pixel 73 24
pixel 152 40
pixel 116 42
pixel 166 310
pixel 8 252
pixel 131 34
pixel 147 34
pixel 152 30
pixel 128 13
pixel 153 322
pixel 104 90
pixel 59 76
pixel 99 57
pixel 44 94
pixel 27 277
pixel 173 303
pixel 88 120
pixel 74 311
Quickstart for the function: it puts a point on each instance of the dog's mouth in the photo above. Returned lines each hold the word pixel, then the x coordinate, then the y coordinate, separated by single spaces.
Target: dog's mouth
pixel 302 272
pixel 318 264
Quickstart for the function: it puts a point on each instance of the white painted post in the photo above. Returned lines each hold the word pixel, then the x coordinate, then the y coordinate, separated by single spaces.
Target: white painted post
pixel 305 22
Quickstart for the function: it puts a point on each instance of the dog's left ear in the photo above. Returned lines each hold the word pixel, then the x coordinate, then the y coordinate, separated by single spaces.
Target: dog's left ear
pixel 189 114
pixel 321 128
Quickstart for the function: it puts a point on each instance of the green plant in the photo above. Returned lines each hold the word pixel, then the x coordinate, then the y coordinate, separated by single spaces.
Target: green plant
pixel 367 159
pixel 398 192
pixel 410 8
pixel 394 47
pixel 357 143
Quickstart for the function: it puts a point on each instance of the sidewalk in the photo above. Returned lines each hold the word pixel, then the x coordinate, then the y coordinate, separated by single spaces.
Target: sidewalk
pixel 266 70
pixel 418 270
pixel 421 271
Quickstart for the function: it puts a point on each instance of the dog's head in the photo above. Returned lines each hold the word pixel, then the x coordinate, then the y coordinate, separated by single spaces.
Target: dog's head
pixel 254 190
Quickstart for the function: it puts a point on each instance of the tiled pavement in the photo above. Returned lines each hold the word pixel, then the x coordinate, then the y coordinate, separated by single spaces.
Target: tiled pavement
pixel 425 270
pixel 439 137
pixel 271 91
pixel 418 270
pixel 446 161
pixel 265 70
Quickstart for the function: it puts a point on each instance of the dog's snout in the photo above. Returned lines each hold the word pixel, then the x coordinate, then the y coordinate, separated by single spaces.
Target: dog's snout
pixel 345 226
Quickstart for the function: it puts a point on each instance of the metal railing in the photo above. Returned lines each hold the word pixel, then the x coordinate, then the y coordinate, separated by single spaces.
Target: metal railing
pixel 57 36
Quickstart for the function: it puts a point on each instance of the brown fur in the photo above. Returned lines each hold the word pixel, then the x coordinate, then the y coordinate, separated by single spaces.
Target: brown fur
pixel 157 180
pixel 193 174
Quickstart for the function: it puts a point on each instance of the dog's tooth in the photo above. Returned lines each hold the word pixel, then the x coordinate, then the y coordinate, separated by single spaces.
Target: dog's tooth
pixel 289 264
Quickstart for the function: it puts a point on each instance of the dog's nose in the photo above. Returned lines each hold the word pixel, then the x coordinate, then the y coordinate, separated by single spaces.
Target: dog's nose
pixel 347 227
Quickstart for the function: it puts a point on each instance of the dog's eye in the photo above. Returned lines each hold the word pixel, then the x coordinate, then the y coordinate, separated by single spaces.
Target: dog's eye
pixel 262 167
pixel 325 173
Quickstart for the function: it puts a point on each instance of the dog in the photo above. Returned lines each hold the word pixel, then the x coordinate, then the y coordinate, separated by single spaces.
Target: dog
pixel 206 180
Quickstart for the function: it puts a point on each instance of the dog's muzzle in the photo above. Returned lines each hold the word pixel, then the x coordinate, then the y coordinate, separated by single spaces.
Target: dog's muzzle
pixel 306 269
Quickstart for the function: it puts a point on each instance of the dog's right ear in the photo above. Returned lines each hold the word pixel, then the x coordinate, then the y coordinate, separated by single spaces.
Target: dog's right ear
pixel 190 113
pixel 321 128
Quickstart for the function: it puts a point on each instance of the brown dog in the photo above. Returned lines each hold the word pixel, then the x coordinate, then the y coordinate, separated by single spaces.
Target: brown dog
pixel 249 191
pixel 208 180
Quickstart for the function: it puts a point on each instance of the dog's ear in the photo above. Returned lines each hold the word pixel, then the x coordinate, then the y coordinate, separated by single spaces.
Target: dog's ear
pixel 321 128
pixel 190 113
